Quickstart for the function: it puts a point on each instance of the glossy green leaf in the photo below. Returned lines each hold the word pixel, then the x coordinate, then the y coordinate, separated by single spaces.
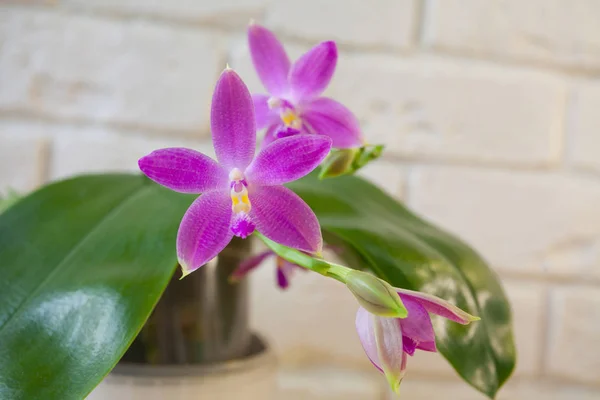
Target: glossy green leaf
pixel 411 253
pixel 7 200
pixel 83 263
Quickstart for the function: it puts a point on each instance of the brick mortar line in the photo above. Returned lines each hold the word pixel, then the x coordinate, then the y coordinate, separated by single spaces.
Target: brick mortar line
pixel 444 377
pixel 411 162
pixel 555 280
pixel 403 160
pixel 545 380
pixel 210 26
pixel 435 161
pixel 45 154
pixel 27 116
pixel 547 318
pixel 516 62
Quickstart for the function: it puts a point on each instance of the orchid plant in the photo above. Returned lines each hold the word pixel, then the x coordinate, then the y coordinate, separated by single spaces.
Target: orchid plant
pixel 242 192
pixel 273 194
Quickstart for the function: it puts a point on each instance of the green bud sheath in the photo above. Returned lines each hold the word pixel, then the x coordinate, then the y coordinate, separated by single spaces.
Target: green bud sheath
pixel 339 162
pixel 375 295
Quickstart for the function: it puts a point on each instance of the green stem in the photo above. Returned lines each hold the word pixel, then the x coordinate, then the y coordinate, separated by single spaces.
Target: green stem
pixel 325 268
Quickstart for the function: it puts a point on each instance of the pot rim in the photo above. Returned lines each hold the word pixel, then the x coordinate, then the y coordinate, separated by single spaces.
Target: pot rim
pixel 258 355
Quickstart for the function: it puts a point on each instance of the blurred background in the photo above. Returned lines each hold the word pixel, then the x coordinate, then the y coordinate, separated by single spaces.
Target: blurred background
pixel 490 111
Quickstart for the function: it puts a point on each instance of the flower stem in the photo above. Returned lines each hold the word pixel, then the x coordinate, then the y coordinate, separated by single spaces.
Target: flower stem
pixel 325 268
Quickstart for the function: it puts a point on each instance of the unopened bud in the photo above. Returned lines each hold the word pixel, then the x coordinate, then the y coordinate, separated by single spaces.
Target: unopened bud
pixel 367 154
pixel 339 162
pixel 375 295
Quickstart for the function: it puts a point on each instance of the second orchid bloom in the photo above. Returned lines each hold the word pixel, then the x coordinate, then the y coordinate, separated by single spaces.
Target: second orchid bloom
pixel 294 104
pixel 241 192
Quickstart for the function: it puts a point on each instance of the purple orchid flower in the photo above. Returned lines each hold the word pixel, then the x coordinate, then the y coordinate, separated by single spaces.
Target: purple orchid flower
pixel 284 269
pixel 240 192
pixel 293 104
pixel 388 341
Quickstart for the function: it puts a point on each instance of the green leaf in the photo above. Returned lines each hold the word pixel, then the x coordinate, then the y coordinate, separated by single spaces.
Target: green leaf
pixel 83 263
pixel 8 200
pixel 411 253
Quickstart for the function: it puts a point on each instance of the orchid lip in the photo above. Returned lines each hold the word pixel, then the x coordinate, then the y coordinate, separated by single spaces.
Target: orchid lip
pixel 240 203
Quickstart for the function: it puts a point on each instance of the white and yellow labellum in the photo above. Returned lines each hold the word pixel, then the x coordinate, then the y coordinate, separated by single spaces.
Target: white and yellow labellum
pixel 239 192
pixel 239 200
pixel 290 119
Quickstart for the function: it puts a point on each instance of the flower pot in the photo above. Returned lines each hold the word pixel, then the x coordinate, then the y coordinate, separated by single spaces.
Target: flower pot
pixel 197 342
pixel 251 377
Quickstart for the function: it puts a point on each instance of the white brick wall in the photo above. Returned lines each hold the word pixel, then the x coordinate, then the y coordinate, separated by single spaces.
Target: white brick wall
pixel 433 108
pixel 574 340
pixel 347 21
pixel 584 146
pixel 539 223
pixel 489 111
pixel 228 12
pixel 132 73
pixel 553 32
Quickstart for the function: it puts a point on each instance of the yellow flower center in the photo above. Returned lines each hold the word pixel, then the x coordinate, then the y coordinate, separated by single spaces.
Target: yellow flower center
pixel 290 119
pixel 239 200
pixel 239 192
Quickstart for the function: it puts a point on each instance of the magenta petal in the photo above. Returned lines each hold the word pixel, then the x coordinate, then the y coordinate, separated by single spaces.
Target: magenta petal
pixel 288 159
pixel 427 346
pixel 408 345
pixel 271 134
pixel 232 122
pixel 249 264
pixel 183 170
pixel 282 216
pixel 366 334
pixel 417 325
pixel 311 74
pixel 204 230
pixel 325 116
pixel 285 271
pixel 437 306
pixel 381 339
pixel 265 116
pixel 282 279
pixel 270 60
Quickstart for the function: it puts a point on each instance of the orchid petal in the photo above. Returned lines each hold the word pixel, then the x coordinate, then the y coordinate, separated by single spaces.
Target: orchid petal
pixel 388 335
pixel 427 346
pixel 366 334
pixel 409 346
pixel 417 326
pixel 204 230
pixel 249 264
pixel 232 122
pixel 269 58
pixel 283 280
pixel 288 159
pixel 285 271
pixel 183 170
pixel 271 134
pixel 264 115
pixel 282 216
pixel 381 339
pixel 325 116
pixel 438 306
pixel 312 72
